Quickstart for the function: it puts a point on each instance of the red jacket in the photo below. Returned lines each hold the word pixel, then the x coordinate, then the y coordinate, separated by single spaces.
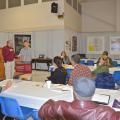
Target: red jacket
pixel 77 110
pixel 8 54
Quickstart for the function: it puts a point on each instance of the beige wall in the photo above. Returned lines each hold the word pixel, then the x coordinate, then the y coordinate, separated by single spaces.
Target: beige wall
pixel 72 19
pixel 30 17
pixel 99 16
pixel 118 14
pixel 38 16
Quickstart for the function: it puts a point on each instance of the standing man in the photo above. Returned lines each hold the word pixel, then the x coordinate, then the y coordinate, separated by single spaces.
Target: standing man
pixel 26 52
pixel 9 57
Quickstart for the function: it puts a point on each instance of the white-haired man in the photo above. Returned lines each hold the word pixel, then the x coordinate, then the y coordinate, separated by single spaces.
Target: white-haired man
pixel 82 108
pixel 9 57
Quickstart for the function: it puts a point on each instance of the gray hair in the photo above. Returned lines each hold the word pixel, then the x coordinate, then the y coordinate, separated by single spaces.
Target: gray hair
pixel 84 87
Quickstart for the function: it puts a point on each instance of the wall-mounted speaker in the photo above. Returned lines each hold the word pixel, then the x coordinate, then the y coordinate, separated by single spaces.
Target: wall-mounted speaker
pixel 61 16
pixel 54 7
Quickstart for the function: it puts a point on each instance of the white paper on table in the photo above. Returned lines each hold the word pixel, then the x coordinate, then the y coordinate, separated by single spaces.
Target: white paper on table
pixel 101 98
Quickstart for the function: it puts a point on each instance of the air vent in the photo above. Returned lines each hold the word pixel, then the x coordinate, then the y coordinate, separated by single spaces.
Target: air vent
pixel 26 2
pixel 14 3
pixel 48 0
pixel 2 4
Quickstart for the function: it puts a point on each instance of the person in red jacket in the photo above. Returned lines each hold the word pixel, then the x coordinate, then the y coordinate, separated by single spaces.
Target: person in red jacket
pixel 9 57
pixel 82 108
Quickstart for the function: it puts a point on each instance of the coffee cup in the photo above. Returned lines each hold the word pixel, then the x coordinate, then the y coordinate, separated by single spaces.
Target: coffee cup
pixel 48 84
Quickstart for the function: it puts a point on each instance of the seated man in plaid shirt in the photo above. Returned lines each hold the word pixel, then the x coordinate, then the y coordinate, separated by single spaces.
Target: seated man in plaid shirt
pixel 79 70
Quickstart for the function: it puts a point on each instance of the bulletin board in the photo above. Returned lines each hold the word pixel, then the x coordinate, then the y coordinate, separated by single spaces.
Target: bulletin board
pixel 19 39
pixel 115 44
pixel 74 44
pixel 95 44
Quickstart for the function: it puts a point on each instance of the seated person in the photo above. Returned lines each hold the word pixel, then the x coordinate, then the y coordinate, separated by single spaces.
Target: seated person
pixel 101 67
pixel 105 55
pixel 65 58
pixel 3 88
pixel 79 69
pixel 81 108
pixel 59 75
pixel 6 86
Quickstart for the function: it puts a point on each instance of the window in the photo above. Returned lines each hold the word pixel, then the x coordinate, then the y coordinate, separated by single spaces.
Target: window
pixel 75 4
pixel 26 2
pixel 48 0
pixel 14 3
pixel 2 4
pixel 79 8
pixel 69 2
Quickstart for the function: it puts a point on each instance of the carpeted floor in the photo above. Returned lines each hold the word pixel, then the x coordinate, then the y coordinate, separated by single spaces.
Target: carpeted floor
pixel 39 76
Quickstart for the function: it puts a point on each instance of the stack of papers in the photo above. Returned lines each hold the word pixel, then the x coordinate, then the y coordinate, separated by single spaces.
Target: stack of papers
pixel 61 87
pixel 101 98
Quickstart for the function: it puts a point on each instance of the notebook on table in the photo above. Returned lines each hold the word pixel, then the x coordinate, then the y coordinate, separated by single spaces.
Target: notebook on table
pixel 101 99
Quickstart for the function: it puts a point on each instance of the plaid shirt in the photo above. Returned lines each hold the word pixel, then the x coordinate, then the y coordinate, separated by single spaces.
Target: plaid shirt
pixel 80 71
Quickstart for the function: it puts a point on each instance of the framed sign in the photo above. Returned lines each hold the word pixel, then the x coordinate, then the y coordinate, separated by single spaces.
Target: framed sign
pixel 115 45
pixel 19 39
pixel 68 46
pixel 95 44
pixel 74 44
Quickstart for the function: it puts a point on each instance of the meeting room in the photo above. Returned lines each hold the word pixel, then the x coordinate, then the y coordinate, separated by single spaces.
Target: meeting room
pixel 59 59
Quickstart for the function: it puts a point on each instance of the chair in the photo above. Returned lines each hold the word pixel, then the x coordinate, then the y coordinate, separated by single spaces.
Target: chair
pixel 116 76
pixel 69 71
pixel 90 62
pixel 82 62
pixel 115 64
pixel 35 115
pixel 11 108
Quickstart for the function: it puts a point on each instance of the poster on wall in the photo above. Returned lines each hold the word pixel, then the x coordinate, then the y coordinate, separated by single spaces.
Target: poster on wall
pixel 74 44
pixel 115 45
pixel 95 44
pixel 19 39
pixel 68 46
